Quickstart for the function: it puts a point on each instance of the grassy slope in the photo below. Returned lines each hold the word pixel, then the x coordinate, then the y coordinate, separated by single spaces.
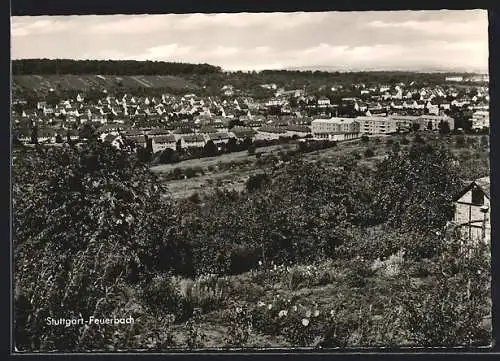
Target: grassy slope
pixel 83 82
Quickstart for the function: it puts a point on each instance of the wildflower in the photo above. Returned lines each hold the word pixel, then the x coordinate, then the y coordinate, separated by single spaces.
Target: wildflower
pixel 261 304
pixel 305 322
pixel 282 313
pixel 332 313
pixel 270 306
pixel 260 263
pixel 239 309
pixel 274 267
pixel 308 313
pixel 316 313
pixel 295 308
pixel 278 296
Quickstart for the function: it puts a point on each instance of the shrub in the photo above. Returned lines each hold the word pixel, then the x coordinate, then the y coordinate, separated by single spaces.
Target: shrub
pixel 195 337
pixel 369 153
pixel 251 149
pixel 257 181
pixel 460 141
pixel 190 172
pixel 404 141
pixel 240 323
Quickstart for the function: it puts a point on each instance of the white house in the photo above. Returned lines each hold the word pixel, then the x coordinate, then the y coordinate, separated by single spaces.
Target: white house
pixel 377 125
pixel 481 119
pixel 162 142
pixel 335 128
pixel 472 210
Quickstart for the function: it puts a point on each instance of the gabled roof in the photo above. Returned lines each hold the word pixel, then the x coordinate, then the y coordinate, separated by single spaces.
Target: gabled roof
pixel 219 136
pixel 481 183
pixel 158 132
pixel 165 139
pixel 194 138
pixel 484 184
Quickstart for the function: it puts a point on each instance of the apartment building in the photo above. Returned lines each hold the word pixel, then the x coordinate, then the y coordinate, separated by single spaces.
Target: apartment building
pixel 335 128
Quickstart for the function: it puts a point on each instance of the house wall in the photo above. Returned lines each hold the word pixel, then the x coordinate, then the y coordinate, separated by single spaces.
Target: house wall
pixel 377 125
pixel 471 218
pixel 269 136
pixel 480 120
pixel 158 147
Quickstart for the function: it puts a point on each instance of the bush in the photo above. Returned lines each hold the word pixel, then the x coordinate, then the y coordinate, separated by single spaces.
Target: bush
pixel 369 153
pixel 404 141
pixel 251 149
pixel 257 181
pixel 460 141
pixel 190 172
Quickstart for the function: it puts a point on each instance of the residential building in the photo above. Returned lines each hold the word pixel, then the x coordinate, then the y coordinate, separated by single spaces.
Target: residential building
pixel 433 122
pixel 323 102
pixel 193 141
pixel 377 125
pixel 161 142
pixel 472 210
pixel 335 128
pixel 481 119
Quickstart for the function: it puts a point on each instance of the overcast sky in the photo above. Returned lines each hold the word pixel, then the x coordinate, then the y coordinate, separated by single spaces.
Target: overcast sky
pixel 344 40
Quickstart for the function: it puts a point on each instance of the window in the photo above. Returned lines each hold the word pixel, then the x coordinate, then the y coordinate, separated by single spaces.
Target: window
pixel 477 197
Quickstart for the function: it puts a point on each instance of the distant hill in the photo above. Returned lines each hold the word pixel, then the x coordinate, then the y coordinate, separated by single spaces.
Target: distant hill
pixel 107 67
pixel 444 70
pixel 43 83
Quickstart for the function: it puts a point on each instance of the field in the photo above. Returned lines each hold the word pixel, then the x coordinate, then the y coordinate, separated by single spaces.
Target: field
pixel 232 170
pixel 83 82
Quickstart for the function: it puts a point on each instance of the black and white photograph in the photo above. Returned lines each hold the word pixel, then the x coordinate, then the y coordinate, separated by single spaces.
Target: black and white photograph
pixel 251 181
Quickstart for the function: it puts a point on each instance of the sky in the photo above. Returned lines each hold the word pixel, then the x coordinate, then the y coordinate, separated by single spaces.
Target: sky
pixel 373 40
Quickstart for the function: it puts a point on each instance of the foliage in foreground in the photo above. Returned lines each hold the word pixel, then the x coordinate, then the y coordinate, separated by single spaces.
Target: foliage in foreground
pixel 94 235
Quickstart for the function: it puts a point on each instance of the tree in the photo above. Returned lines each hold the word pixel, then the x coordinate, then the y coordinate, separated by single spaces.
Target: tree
pixel 231 145
pixel 365 139
pixel 484 141
pixel 369 153
pixel 210 149
pixel 415 127
pixel 444 127
pixel 59 138
pixel 178 146
pixel 97 231
pixel 417 187
pixel 168 156
pixel 143 154
pixel 251 149
pixel 429 125
pixel 460 141
pixel 34 134
pixel 87 131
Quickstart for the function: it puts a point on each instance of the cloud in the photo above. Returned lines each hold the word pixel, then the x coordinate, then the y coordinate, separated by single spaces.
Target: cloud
pixel 474 28
pixel 168 51
pixel 150 24
pixel 39 26
pixel 253 41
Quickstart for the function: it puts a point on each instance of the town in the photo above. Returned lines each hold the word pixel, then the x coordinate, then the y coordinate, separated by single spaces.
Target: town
pixel 191 121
